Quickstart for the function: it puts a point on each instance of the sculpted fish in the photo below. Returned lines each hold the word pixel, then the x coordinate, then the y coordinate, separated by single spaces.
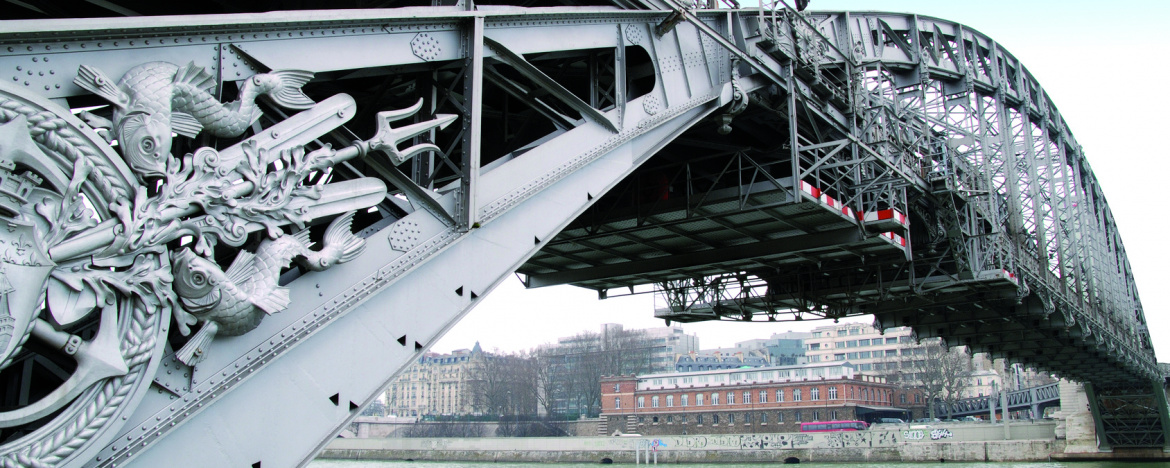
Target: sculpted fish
pixel 156 98
pixel 233 302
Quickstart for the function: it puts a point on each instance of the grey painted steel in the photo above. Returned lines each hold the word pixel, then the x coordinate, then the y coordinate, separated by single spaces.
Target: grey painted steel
pixel 1002 239
pixel 1034 399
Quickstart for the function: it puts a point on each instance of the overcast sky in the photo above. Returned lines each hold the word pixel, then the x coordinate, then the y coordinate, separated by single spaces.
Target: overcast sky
pixel 1104 64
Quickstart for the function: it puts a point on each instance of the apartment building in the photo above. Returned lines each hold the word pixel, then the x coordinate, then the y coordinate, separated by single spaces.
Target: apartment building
pixel 869 349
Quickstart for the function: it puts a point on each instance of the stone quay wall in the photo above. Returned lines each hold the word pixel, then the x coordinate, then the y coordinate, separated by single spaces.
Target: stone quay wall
pixel 972 442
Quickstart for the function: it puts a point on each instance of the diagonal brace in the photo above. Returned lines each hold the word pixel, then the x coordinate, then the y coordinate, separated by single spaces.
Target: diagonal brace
pixel 505 55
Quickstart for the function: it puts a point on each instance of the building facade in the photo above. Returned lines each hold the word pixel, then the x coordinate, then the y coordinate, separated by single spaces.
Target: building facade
pixel 871 350
pixel 437 384
pixel 768 399
pixel 715 360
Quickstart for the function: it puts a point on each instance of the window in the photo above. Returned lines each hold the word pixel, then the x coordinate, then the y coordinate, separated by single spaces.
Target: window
pixel 730 418
pixel 816 415
pixel 655 419
pixel 917 398
pixel 796 416
pixel 862 343
pixel 779 417
pixel 814 394
pixel 617 388
pixel 731 398
pixel 714 399
pixel 684 400
pixel 670 419
pixel 714 419
pixel 814 346
pixel 891 340
pixel 832 393
pixel 641 402
pixel 763 396
pixel 763 418
pixel 747 418
pixel 839 357
pixel 780 395
pixel 902 397
pixel 699 418
pixel 617 403
pixel 698 399
pixel 796 395
pixel 891 352
pixel 670 401
pixel 833 415
pixel 747 398
pixel 851 356
pixel 654 401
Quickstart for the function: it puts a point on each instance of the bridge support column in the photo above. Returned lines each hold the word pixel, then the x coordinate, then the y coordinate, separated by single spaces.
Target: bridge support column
pixel 1098 423
pixel 1164 412
pixel 1078 427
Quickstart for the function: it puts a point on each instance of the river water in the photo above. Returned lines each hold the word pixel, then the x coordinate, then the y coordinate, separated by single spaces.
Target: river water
pixel 404 464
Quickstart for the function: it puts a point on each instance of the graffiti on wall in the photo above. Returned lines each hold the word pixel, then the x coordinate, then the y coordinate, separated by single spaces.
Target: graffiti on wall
pixel 782 441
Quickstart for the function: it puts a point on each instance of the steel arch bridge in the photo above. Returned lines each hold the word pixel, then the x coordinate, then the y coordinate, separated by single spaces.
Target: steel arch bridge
pixel 210 214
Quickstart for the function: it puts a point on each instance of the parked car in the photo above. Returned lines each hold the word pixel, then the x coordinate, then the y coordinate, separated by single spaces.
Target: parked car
pixel 891 421
pixel 927 420
pixel 970 419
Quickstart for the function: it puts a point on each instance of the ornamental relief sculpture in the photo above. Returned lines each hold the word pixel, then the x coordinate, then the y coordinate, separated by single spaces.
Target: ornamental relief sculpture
pixel 107 239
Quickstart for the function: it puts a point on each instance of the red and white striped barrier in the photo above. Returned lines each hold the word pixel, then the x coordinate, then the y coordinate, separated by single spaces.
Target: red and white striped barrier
pixel 894 239
pixel 886 220
pixel 999 274
pixel 813 192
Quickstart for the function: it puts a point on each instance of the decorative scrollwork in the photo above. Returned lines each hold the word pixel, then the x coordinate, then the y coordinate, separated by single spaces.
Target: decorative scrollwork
pixel 90 248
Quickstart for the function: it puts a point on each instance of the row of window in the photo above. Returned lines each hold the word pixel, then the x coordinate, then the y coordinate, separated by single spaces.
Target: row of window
pixel 814 394
pixel 797 396
pixel 730 418
pixel 861 343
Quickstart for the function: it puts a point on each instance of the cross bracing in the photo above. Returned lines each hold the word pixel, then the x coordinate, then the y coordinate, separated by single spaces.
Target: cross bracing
pixel 745 164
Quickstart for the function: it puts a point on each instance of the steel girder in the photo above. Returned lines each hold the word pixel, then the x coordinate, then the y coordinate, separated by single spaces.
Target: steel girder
pixel 465 207
pixel 1033 398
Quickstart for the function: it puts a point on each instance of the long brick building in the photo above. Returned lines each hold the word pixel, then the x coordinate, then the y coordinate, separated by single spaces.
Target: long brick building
pixel 734 401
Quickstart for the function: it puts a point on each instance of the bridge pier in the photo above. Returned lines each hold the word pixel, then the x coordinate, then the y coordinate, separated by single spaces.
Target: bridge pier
pixel 1098 422
pixel 1079 431
pixel 1164 413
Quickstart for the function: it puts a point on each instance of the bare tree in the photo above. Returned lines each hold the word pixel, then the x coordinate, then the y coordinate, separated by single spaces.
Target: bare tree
pixel 577 364
pixel 548 387
pixel 505 384
pixel 940 373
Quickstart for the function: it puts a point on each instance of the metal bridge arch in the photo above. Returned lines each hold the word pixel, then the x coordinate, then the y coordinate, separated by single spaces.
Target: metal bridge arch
pixel 742 164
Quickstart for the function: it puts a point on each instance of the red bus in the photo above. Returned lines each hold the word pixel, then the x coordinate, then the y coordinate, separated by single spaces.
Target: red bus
pixel 833 426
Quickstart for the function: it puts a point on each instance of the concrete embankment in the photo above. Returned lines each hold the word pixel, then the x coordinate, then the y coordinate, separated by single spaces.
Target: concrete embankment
pixel 1027 442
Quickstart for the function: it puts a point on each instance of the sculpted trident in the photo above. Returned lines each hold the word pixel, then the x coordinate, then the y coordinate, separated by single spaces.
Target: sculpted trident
pixel 85 233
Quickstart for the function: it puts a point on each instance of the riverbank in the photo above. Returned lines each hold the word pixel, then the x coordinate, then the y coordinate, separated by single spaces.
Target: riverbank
pixel 975 443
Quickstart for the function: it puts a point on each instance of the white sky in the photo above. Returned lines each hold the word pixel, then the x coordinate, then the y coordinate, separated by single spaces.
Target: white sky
pixel 1104 64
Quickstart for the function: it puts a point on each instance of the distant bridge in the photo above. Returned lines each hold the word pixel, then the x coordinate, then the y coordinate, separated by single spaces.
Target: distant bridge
pixel 1033 399
pixel 743 164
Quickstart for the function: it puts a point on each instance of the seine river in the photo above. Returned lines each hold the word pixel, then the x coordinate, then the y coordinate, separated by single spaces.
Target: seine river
pixel 403 464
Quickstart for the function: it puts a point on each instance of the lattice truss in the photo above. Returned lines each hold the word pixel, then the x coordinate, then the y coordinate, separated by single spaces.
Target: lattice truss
pixel 941 123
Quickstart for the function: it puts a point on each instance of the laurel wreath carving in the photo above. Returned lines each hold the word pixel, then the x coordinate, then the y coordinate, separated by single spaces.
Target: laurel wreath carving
pixel 138 342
